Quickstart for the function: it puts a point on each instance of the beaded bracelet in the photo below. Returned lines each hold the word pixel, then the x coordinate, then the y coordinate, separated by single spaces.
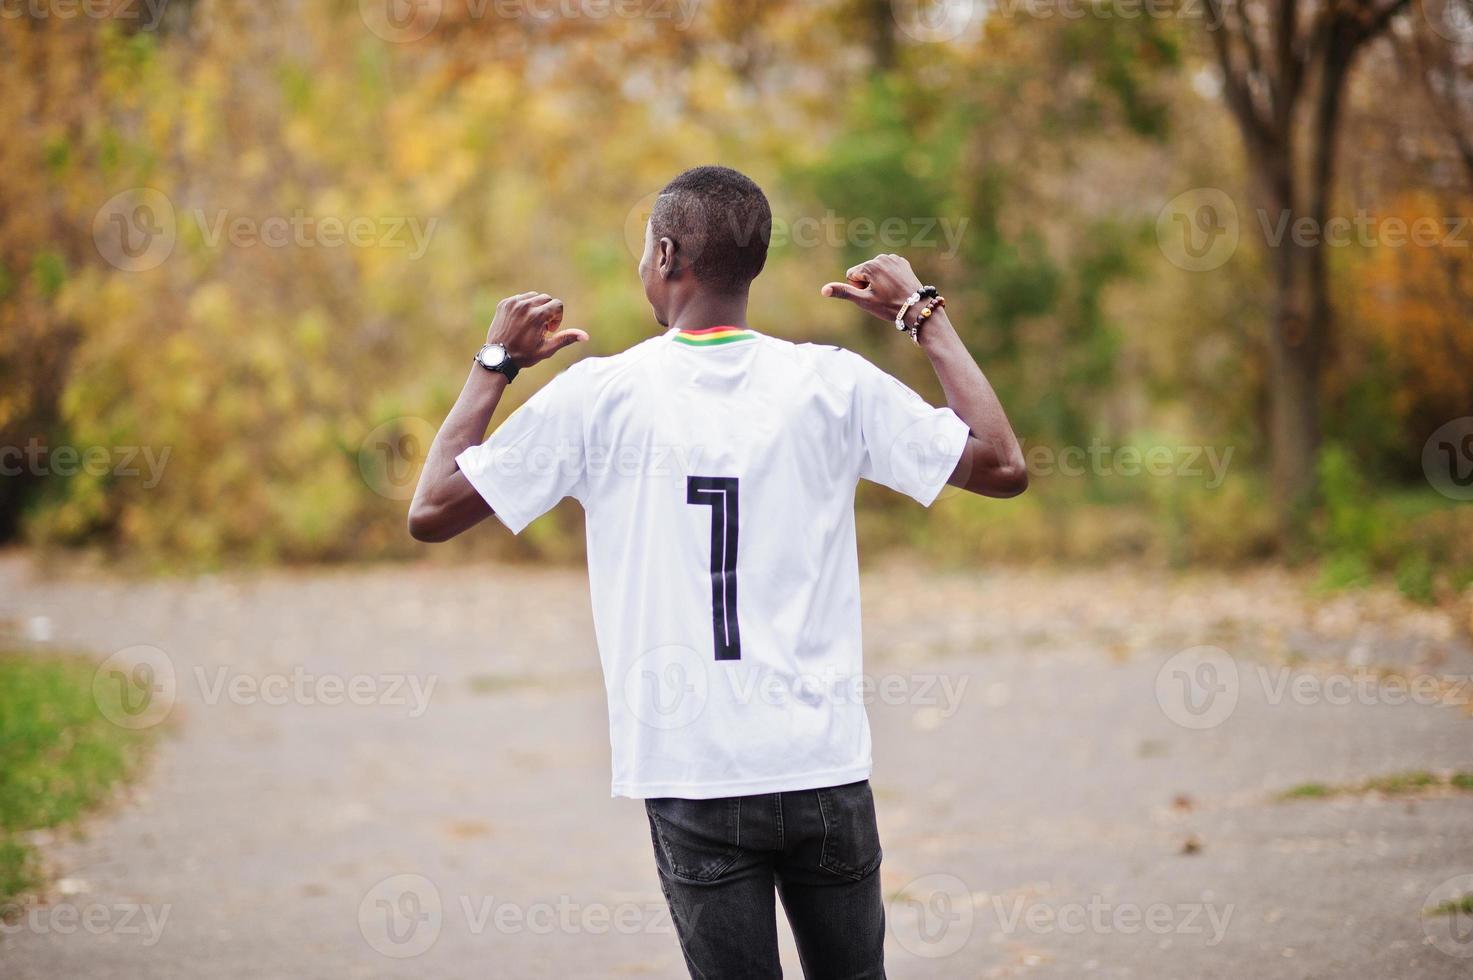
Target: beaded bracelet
pixel 925 292
pixel 936 303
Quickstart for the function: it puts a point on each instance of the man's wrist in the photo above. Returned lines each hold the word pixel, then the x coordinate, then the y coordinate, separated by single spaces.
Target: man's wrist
pixel 487 382
pixel 937 332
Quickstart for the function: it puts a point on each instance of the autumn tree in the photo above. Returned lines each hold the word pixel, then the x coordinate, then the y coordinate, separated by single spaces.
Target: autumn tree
pixel 1285 66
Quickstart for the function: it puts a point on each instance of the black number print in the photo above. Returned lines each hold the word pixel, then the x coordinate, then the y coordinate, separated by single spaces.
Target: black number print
pixel 720 494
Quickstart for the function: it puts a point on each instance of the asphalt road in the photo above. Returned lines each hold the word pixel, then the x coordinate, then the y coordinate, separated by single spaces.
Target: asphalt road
pixel 1076 777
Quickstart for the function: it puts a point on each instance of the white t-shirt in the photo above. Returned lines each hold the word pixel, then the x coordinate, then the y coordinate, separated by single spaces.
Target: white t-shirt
pixel 717 471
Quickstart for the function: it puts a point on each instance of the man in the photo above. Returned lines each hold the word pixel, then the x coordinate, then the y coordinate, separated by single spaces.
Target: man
pixel 716 466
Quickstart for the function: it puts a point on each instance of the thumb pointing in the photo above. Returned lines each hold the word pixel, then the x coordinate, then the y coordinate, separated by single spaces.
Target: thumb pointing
pixel 842 290
pixel 563 338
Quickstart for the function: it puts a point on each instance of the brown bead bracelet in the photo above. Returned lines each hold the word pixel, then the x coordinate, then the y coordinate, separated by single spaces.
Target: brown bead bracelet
pixel 935 304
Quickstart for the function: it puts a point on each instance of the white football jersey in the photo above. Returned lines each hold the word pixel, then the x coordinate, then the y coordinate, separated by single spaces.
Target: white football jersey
pixel 717 469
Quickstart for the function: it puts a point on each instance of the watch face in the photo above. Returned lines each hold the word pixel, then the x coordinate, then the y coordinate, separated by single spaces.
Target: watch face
pixel 492 355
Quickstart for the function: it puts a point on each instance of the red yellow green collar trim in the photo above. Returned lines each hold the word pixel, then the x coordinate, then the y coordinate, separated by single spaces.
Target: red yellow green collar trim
pixel 712 336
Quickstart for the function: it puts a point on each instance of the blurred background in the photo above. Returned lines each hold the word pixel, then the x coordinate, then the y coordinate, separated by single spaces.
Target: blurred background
pixel 1215 255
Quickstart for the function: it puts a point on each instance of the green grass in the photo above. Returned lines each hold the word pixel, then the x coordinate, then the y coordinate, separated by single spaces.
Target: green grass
pixel 1395 784
pixel 59 755
pixel 1463 905
pixel 1308 791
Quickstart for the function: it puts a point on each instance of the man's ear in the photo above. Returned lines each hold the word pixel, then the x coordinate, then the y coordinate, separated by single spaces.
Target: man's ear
pixel 665 260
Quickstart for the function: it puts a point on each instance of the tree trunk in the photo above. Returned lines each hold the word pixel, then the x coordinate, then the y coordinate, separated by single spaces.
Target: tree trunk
pixel 1294 378
pixel 1303 317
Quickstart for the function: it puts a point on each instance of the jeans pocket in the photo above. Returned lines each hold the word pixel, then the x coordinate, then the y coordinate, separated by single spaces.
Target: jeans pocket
pixel 851 838
pixel 698 839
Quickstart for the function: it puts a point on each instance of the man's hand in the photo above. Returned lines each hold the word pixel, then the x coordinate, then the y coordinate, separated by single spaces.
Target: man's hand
pixel 992 461
pixel 445 503
pixel 526 325
pixel 877 286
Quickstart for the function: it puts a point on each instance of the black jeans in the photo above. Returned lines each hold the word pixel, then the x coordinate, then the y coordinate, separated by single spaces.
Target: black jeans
pixel 719 861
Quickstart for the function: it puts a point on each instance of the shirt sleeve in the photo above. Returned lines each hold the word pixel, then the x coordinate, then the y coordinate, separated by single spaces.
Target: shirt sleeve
pixel 909 446
pixel 535 458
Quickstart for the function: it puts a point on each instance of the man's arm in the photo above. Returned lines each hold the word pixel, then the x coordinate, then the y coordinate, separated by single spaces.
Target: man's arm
pixel 445 503
pixel 992 462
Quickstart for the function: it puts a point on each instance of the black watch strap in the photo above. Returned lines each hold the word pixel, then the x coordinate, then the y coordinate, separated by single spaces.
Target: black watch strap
pixel 507 367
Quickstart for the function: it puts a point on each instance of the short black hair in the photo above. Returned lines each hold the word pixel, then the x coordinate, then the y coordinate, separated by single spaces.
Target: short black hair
pixel 721 221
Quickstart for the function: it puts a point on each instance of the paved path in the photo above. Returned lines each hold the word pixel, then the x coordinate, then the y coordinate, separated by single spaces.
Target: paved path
pixel 1044 815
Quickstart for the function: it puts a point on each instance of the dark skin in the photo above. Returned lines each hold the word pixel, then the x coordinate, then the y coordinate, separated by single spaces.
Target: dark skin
pixel 528 324
pixel 991 463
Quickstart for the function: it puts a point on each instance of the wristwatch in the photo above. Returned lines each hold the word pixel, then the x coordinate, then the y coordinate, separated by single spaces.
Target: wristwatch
pixel 493 357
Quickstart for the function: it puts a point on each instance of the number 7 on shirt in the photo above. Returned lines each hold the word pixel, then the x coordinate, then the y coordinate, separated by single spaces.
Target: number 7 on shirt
pixel 720 494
